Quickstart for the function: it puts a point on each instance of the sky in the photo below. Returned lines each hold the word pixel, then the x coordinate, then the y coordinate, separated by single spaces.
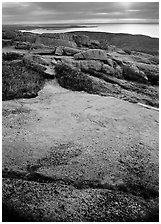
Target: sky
pixel 79 12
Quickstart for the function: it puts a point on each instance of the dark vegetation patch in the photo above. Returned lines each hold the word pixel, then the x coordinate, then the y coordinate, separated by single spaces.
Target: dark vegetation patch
pixel 78 81
pixel 8 34
pixel 10 56
pixel 17 80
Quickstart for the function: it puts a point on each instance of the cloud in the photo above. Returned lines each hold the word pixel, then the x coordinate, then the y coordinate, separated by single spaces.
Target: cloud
pixel 81 12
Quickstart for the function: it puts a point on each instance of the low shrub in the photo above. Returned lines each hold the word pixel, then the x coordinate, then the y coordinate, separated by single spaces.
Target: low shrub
pixel 19 82
pixel 10 56
pixel 72 79
pixel 78 81
pixel 8 34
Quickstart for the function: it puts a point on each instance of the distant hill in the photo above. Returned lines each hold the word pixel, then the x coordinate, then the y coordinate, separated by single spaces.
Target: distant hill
pixel 140 43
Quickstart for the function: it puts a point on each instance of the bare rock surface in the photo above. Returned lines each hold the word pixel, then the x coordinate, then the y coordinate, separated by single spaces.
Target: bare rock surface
pixel 59 50
pixel 73 156
pixel 71 51
pixel 93 54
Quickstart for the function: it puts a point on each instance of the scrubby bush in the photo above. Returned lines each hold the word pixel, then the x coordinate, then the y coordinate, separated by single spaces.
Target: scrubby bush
pixel 9 56
pixel 8 34
pixel 72 79
pixel 19 82
pixel 78 81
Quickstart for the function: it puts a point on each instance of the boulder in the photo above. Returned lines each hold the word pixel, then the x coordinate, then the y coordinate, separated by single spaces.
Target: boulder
pixel 131 72
pixel 92 54
pixel 71 51
pixel 54 62
pixel 59 50
pixel 84 65
pixel 49 71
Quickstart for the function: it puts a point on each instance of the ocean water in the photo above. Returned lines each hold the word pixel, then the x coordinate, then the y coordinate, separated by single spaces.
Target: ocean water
pixel 151 30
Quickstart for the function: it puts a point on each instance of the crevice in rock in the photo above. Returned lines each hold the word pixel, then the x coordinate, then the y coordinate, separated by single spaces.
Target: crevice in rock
pixel 137 190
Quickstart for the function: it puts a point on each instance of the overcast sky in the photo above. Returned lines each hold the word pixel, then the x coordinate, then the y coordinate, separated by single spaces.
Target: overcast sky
pixel 79 12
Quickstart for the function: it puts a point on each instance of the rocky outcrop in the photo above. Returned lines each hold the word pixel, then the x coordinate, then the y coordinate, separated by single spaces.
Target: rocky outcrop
pixel 95 158
pixel 59 50
pixel 92 54
pixel 78 157
pixel 131 72
pixel 88 65
pixel 85 41
pixel 70 62
pixel 151 71
pixel 39 64
pixel 97 60
pixel 71 51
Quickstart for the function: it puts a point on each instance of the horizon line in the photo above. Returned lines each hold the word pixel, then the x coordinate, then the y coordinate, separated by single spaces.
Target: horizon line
pixel 31 24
